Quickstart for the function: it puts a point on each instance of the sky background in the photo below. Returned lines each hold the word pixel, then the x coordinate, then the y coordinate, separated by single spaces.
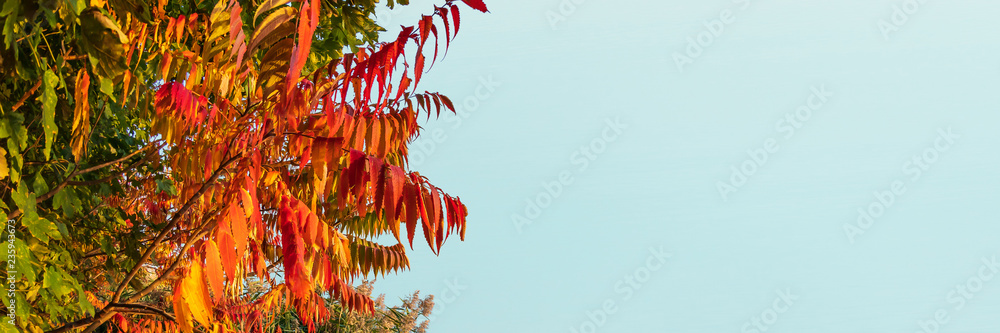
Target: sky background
pixel 775 249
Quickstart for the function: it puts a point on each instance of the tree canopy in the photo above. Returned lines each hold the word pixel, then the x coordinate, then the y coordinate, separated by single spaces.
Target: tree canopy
pixel 160 157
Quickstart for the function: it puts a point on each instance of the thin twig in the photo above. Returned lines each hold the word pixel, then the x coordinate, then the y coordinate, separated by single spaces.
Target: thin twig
pixel 16 213
pixel 26 95
pixel 147 308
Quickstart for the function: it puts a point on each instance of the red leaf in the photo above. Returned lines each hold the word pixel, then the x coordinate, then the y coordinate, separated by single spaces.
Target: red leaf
pixel 426 214
pixel 293 250
pixel 419 70
pixel 429 236
pixel 403 84
pixel 443 13
pixel 308 20
pixel 437 104
pixel 227 252
pixel 449 206
pixel 235 26
pixel 395 180
pixel 477 5
pixel 411 196
pixel 425 24
pixel 208 163
pixel 454 15
pixel 447 103
pixel 427 103
pixel 434 30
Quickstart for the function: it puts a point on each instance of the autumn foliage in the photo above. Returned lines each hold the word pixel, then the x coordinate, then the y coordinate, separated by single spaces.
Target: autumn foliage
pixel 254 150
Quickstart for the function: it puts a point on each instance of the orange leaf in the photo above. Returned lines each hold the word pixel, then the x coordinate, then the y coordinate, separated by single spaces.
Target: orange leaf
pixel 181 311
pixel 213 266
pixel 81 115
pixel 247 203
pixel 238 222
pixel 196 294
pixel 309 231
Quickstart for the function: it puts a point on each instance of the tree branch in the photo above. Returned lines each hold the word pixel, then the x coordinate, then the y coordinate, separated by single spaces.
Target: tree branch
pixel 26 95
pixel 170 225
pixel 149 288
pixel 92 182
pixel 143 309
pixel 102 165
pixel 73 325
pixel 14 214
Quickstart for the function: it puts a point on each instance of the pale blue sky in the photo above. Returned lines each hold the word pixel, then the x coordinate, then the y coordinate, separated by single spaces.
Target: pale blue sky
pixel 656 183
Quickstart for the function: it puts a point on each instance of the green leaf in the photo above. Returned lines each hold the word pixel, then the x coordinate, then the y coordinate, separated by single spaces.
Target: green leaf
pixel 8 7
pixel 107 247
pixel 67 200
pixel 15 175
pixel 85 306
pixel 166 186
pixel 24 259
pixel 55 282
pixel 5 130
pixel 22 311
pixel 40 227
pixel 76 5
pixel 108 88
pixel 63 231
pixel 49 100
pixel 39 186
pixel 6 325
pixel 8 28
pixel 12 127
pixel 23 199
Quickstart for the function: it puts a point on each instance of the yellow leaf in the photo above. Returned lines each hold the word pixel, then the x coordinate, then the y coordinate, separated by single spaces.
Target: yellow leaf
pixel 272 22
pixel 196 294
pixel 270 177
pixel 247 203
pixel 181 311
pixel 3 164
